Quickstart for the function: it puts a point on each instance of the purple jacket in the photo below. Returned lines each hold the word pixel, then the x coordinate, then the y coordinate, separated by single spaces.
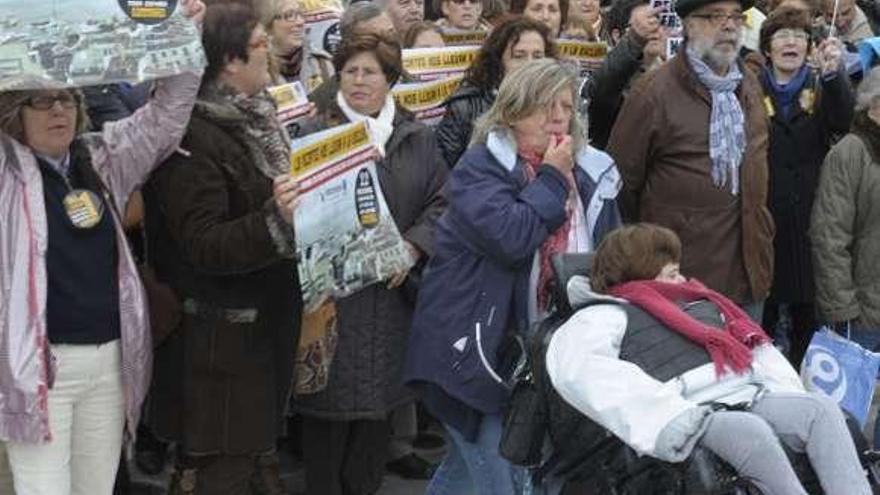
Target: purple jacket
pixel 123 154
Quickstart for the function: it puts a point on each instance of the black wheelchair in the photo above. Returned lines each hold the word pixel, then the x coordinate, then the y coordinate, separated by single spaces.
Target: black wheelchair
pixel 592 461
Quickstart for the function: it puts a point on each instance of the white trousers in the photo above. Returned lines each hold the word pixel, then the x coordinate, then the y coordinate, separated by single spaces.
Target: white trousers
pixel 86 418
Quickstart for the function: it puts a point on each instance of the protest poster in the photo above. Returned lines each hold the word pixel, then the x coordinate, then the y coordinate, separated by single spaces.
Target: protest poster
pixel 425 99
pixel 322 37
pixel 429 64
pixel 292 101
pixel 346 238
pixel 89 42
pixel 464 38
pixel 587 56
pixel 670 23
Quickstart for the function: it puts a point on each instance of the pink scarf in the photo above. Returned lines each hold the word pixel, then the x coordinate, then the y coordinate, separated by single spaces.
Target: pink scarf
pixel 728 347
pixel 558 240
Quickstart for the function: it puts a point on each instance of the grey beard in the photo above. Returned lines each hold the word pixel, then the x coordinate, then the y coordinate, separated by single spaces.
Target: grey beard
pixel 718 60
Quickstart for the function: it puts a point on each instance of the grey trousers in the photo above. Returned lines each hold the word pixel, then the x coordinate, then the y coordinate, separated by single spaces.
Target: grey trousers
pixel 810 423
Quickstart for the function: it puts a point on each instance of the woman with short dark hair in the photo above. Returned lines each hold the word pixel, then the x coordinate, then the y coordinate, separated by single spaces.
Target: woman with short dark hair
pixel 349 418
pixel 219 215
pixel 511 44
pixel 73 318
pixel 808 107
pixel 697 372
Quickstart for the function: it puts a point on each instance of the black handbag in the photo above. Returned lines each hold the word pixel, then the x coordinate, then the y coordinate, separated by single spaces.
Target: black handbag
pixel 525 424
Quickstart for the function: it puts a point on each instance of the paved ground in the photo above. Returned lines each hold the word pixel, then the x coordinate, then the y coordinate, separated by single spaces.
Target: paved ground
pixel 294 478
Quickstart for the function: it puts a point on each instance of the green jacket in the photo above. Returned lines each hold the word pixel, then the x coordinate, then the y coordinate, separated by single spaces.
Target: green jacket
pixel 845 229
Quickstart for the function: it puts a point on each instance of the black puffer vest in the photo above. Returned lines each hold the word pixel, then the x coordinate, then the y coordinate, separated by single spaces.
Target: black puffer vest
pixel 662 353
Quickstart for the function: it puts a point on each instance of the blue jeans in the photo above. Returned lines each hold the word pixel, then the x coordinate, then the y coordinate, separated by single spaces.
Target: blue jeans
pixel 870 340
pixel 476 468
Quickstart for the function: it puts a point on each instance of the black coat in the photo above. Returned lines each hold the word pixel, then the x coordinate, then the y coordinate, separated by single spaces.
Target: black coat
pixel 462 109
pixel 366 375
pixel 798 145
pixel 222 383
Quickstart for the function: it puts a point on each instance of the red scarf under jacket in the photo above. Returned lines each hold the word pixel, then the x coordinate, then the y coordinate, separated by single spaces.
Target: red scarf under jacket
pixel 728 348
pixel 558 240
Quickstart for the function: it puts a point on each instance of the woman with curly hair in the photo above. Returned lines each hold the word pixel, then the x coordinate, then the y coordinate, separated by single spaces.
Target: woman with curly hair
pixel 511 44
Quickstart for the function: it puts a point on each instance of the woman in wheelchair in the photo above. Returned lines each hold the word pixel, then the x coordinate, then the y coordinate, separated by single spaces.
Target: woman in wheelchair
pixel 666 364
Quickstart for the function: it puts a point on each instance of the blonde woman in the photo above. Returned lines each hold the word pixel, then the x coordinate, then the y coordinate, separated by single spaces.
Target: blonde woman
pixel 528 187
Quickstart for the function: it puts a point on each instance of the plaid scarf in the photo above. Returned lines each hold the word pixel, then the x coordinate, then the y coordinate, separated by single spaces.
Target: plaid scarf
pixel 253 120
pixel 727 135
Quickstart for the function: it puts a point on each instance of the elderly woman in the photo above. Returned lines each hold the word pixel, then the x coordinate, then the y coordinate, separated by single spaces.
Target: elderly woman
pixel 551 13
pixel 461 15
pixel 218 225
pixel 349 418
pixel 528 187
pixel 808 109
pixel 74 322
pixel 285 23
pixel 845 228
pixel 511 44
pixel 698 372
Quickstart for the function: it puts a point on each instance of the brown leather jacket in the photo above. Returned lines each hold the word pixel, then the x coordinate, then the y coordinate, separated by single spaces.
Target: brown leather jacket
pixel 661 145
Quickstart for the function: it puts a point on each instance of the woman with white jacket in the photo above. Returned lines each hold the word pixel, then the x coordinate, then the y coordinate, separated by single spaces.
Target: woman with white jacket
pixel 724 386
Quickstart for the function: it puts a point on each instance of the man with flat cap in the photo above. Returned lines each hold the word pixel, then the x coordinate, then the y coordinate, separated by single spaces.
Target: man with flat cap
pixel 691 144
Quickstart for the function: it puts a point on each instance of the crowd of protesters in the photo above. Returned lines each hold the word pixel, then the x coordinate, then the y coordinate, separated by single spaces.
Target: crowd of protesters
pixel 742 169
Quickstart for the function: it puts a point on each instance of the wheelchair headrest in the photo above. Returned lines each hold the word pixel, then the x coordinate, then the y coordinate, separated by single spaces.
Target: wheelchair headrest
pixel 565 266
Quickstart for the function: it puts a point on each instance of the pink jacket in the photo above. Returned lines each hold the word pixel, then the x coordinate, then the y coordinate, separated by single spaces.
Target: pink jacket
pixel 123 154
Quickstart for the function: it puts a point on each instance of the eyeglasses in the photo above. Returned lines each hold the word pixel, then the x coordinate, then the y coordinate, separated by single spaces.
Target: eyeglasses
pixel 263 42
pixel 719 18
pixel 46 102
pixel 790 34
pixel 290 15
pixel 461 2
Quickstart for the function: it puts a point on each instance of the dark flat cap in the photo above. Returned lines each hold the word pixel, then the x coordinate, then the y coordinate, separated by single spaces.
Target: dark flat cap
pixel 685 7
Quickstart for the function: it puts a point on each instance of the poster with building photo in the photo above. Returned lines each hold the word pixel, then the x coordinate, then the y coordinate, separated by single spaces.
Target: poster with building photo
pixel 88 42
pixel 322 37
pixel 346 238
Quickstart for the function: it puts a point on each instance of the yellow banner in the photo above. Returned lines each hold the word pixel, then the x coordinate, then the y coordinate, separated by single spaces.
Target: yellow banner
pixel 415 97
pixel 465 38
pixel 575 49
pixel 311 6
pixel 439 59
pixel 148 13
pixel 329 149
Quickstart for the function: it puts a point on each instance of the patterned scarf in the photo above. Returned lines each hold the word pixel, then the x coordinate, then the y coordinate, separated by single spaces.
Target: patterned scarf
pixel 254 121
pixel 290 65
pixel 558 240
pixel 727 136
pixel 730 347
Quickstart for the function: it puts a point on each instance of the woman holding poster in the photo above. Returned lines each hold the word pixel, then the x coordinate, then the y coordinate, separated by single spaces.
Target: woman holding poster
pixel 528 187
pixel 349 418
pixel 73 318
pixel 219 216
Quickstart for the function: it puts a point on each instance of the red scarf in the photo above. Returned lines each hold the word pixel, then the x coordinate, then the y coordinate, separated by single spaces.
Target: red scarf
pixel 730 348
pixel 558 240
